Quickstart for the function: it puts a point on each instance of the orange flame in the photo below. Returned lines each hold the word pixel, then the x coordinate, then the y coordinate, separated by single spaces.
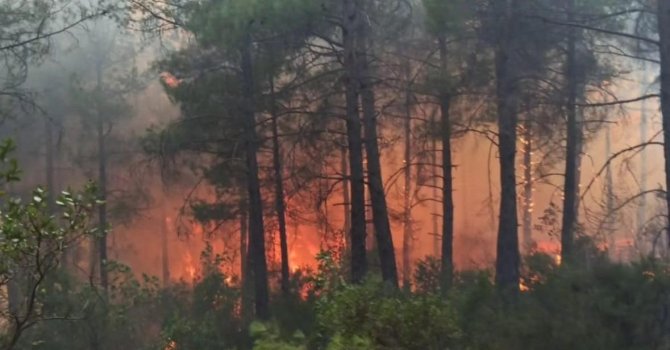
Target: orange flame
pixel 170 80
pixel 523 287
pixel 189 266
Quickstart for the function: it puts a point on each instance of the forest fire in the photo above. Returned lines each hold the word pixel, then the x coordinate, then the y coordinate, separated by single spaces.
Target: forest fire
pixel 189 267
pixel 434 158
pixel 169 80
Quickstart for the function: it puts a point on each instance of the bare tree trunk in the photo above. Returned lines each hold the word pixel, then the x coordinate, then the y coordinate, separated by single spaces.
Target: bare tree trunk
pixel 507 261
pixel 359 265
pixel 14 295
pixel 246 283
pixel 570 187
pixel 244 230
pixel 407 172
pixel 49 154
pixel 664 34
pixel 528 186
pixel 102 184
pixel 380 215
pixel 257 230
pixel 609 191
pixel 447 174
pixel 434 214
pixel 280 205
pixel 165 251
pixel 346 197
pixel 644 125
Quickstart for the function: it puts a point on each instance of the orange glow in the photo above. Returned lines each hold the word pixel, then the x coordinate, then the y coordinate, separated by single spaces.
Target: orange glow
pixel 475 217
pixel 189 267
pixel 170 80
pixel 302 253
pixel 523 287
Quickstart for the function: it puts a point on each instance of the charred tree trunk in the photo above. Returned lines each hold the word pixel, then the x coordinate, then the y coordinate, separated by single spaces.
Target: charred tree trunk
pixel 380 215
pixel 664 33
pixel 447 174
pixel 407 199
pixel 507 261
pixel 527 186
pixel 570 187
pixel 280 205
pixel 256 227
pixel 102 184
pixel 346 197
pixel 359 264
pixel 245 279
pixel 244 230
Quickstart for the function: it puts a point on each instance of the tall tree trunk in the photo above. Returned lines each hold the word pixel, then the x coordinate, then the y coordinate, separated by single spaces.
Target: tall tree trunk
pixel 244 230
pixel 507 261
pixel 346 197
pixel 14 295
pixel 434 214
pixel 49 155
pixel 380 215
pixel 447 173
pixel 245 280
pixel 664 33
pixel 256 227
pixel 50 151
pixel 280 205
pixel 644 125
pixel 609 192
pixel 102 184
pixel 527 186
pixel 407 190
pixel 359 264
pixel 570 187
pixel 165 251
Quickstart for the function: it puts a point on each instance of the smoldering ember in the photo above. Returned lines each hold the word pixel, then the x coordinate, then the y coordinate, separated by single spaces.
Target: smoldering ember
pixel 334 174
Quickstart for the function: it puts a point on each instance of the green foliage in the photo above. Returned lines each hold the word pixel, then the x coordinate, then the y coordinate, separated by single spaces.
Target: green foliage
pixel 602 307
pixel 28 230
pixel 267 337
pixel 448 18
pixel 32 243
pixel 427 276
pixel 230 23
pixel 206 316
pixel 128 317
pixel 294 312
pixel 372 316
pixel 357 315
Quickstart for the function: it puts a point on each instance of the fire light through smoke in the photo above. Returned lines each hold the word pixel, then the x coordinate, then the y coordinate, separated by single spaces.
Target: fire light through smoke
pixel 476 187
